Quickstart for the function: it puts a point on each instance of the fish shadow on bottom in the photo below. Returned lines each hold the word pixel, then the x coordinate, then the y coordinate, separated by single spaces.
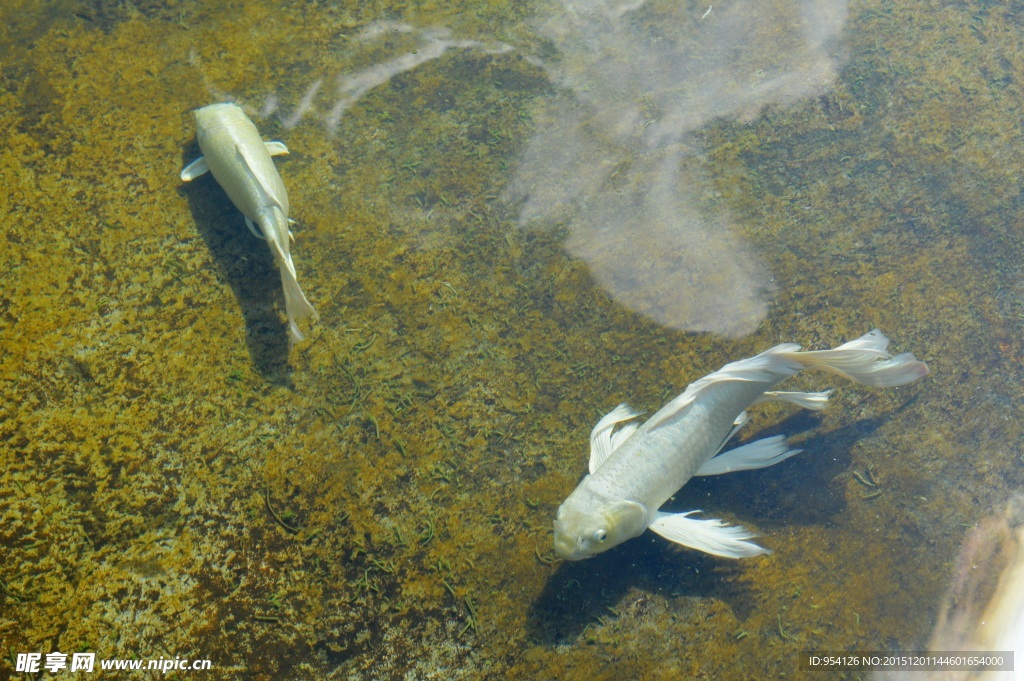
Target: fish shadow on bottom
pixel 247 266
pixel 807 489
pixel 798 491
pixel 588 593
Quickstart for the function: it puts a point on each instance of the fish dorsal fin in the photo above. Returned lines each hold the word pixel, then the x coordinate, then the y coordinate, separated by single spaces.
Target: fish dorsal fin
pixel 680 404
pixel 266 198
pixel 603 441
pixel 194 169
pixel 769 367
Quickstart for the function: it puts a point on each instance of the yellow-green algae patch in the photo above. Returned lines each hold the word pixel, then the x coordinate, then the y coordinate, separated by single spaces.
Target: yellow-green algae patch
pixel 376 503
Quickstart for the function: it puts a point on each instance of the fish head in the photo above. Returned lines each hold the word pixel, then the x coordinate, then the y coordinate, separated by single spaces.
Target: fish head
pixel 588 524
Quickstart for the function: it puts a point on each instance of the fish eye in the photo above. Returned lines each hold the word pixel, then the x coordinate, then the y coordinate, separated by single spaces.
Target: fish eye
pixel 600 536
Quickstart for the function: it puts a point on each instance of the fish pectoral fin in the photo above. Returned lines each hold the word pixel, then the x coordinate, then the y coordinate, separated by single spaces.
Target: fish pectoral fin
pixel 194 169
pixel 276 148
pixel 813 401
pixel 254 229
pixel 710 536
pixel 758 454
pixel 603 442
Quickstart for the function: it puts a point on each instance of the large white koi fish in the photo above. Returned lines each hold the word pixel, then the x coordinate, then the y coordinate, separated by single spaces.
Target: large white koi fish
pixel 635 469
pixel 239 160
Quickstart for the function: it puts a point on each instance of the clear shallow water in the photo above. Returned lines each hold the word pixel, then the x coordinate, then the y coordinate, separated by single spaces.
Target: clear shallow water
pixel 510 218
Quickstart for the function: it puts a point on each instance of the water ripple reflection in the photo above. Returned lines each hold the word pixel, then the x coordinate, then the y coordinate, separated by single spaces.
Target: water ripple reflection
pixel 615 159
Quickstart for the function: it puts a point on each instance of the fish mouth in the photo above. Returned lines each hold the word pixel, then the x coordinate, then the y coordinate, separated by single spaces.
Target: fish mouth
pixel 565 547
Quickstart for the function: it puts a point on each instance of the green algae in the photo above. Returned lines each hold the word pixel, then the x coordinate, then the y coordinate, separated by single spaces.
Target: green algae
pixel 376 502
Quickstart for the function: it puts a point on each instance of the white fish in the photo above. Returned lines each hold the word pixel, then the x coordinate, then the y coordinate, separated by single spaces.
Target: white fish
pixel 239 160
pixel 634 470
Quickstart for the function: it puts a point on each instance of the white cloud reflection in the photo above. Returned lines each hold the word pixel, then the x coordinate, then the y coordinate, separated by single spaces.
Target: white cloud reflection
pixel 614 157
pixel 422 45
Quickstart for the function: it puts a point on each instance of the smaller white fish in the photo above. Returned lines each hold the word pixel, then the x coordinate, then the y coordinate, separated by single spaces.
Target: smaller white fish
pixel 634 470
pixel 239 160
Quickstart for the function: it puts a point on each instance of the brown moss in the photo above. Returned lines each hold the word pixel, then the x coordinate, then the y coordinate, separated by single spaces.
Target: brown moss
pixel 415 449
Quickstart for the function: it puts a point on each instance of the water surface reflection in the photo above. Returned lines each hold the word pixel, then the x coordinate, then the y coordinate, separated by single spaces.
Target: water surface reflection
pixel 615 156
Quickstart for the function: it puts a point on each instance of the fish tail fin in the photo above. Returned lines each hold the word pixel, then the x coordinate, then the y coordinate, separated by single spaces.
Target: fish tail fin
pixel 296 305
pixel 865 360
